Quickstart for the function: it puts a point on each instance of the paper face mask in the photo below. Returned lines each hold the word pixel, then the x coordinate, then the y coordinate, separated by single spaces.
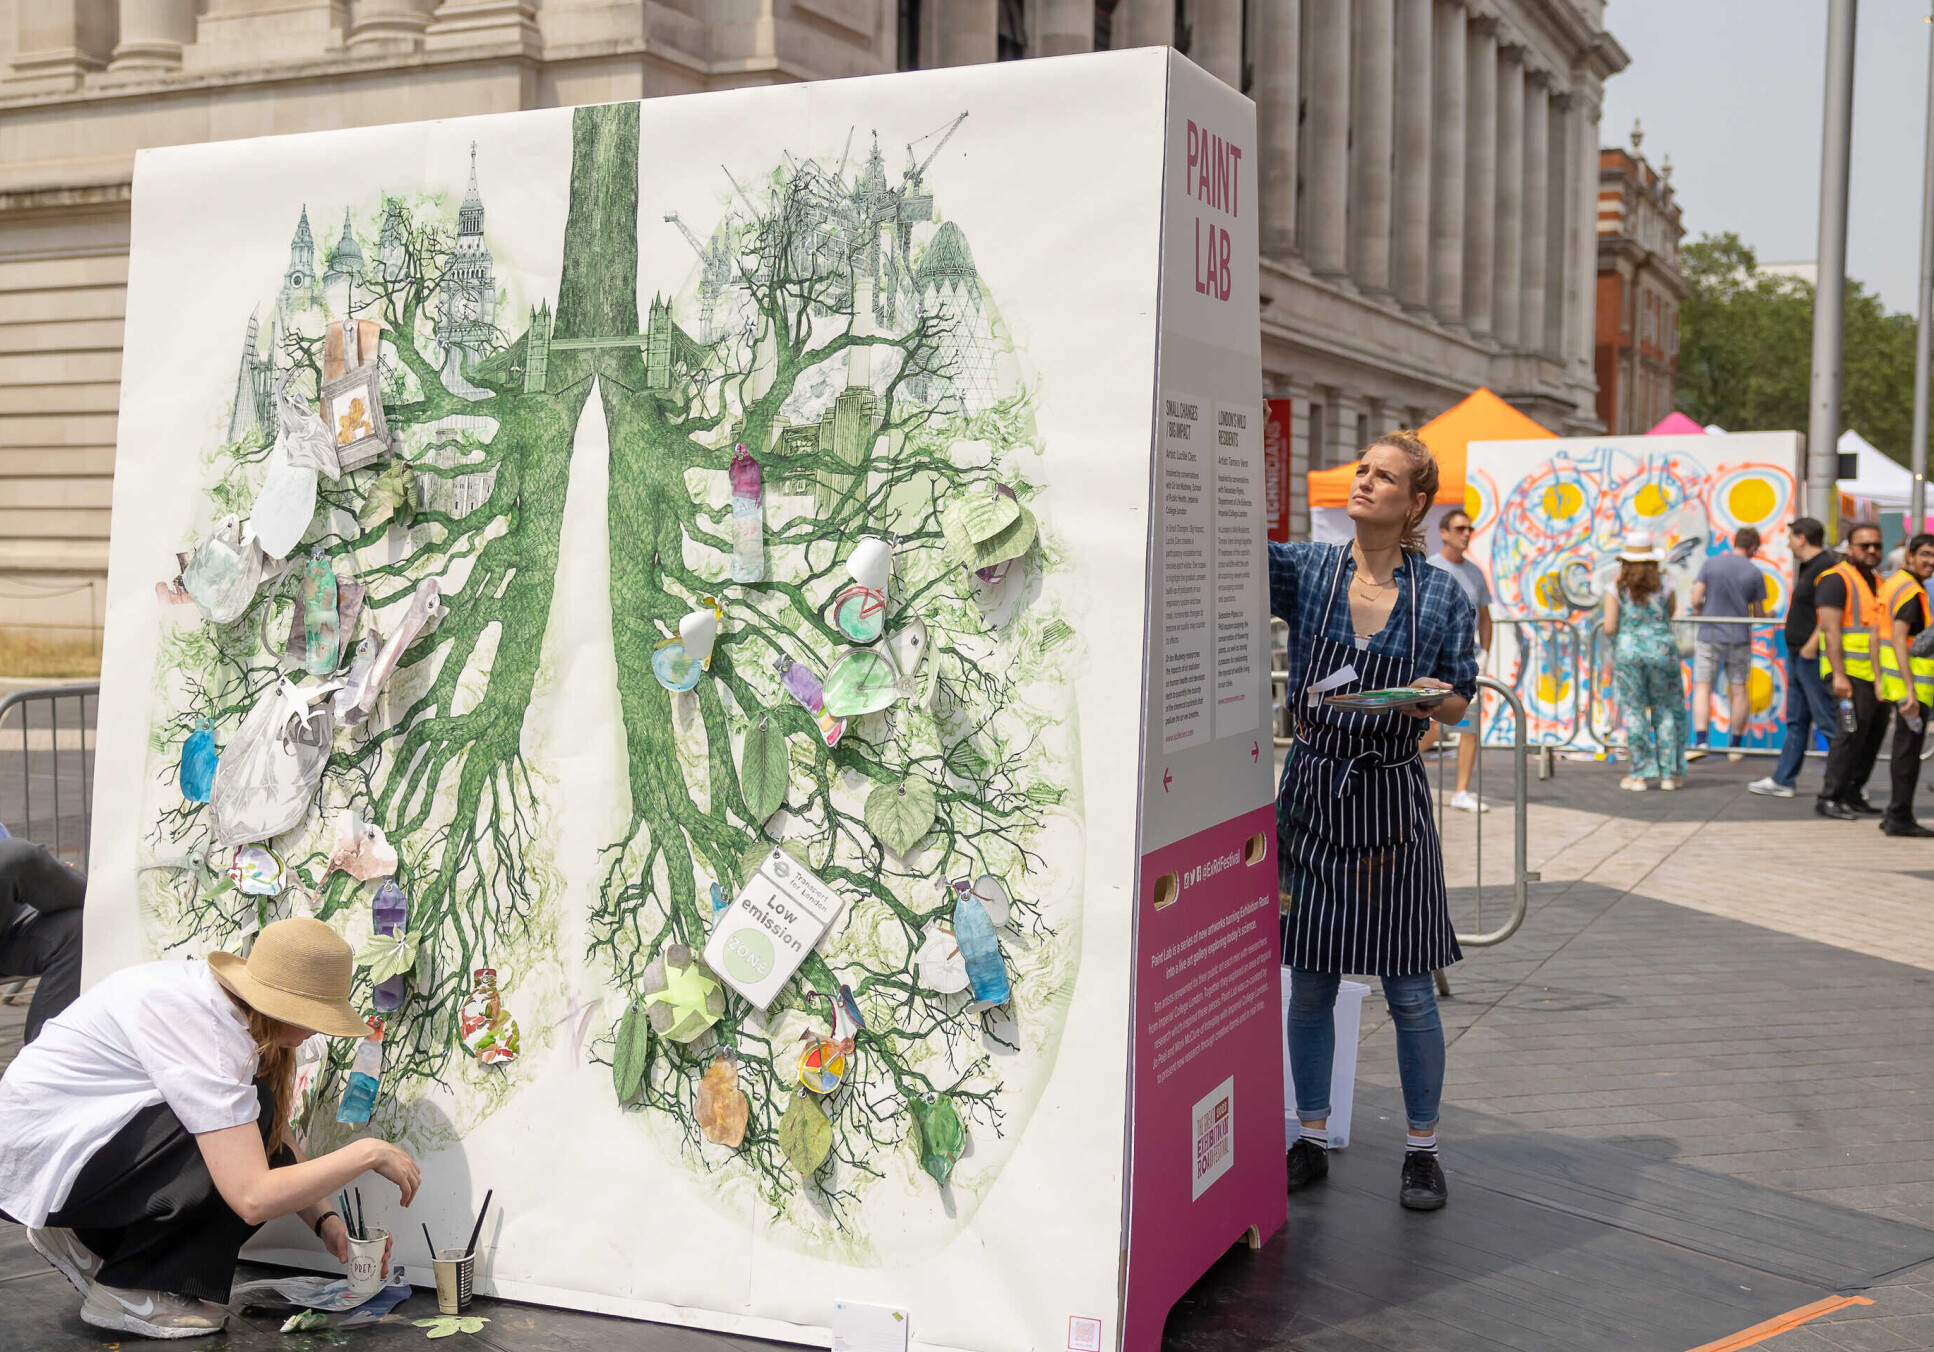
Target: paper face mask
pixel 362 851
pixel 268 777
pixel 224 573
pixel 284 506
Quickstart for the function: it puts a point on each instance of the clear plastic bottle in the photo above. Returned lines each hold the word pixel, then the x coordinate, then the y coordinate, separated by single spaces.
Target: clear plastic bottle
pixel 1848 722
pixel 365 1076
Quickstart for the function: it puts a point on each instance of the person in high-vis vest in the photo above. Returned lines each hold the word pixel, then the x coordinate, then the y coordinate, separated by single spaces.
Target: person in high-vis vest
pixel 1903 598
pixel 1847 599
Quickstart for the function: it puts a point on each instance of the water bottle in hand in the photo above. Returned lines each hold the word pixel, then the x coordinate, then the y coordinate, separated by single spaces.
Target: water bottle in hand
pixel 1915 721
pixel 1847 720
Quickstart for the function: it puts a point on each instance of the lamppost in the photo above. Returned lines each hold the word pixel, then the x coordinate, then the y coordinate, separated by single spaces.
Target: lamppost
pixel 1829 294
pixel 1924 334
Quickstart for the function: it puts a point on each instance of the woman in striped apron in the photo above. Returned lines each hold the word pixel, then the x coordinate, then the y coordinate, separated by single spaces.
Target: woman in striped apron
pixel 1362 866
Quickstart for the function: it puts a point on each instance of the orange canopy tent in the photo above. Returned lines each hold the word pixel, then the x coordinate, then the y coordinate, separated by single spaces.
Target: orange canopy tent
pixel 1482 416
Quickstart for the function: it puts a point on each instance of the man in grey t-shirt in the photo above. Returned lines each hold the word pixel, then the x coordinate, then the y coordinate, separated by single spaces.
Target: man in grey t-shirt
pixel 1455 531
pixel 1730 585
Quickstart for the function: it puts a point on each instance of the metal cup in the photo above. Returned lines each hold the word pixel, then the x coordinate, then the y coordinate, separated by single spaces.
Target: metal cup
pixel 454 1272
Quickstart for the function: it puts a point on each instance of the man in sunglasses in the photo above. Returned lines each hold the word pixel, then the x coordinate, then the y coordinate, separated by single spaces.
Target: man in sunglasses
pixel 1455 532
pixel 1847 600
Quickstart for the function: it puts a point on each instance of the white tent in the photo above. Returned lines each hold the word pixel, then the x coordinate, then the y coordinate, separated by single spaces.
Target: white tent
pixel 1877 479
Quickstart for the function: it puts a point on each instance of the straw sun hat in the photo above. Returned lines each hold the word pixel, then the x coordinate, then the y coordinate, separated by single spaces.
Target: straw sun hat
pixel 299 972
pixel 1639 548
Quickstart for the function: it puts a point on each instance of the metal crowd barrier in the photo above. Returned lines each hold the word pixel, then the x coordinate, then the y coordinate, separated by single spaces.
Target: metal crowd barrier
pixel 1521 875
pixel 47 767
pixel 1548 748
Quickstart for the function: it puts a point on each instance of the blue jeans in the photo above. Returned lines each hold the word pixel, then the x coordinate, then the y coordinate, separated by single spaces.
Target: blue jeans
pixel 1809 706
pixel 1420 1043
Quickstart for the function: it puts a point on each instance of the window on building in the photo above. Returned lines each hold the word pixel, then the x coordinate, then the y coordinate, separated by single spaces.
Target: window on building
pixel 1105 25
pixel 910 16
pixel 1011 40
pixel 1319 451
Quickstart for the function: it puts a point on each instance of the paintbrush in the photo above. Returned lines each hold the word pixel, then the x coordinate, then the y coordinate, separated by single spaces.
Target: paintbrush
pixel 477 1229
pixel 427 1240
pixel 348 1216
pixel 362 1230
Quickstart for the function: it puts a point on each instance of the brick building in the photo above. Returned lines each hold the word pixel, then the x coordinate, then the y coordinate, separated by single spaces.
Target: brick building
pixel 1639 290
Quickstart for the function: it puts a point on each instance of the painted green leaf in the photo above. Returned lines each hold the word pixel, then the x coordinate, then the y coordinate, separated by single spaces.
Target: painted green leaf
pixel 937 1137
pixel 1011 543
pixel 976 517
pixel 388 955
pixel 632 1053
pixel 764 770
pixel 864 682
pixel 898 815
pixel 805 1135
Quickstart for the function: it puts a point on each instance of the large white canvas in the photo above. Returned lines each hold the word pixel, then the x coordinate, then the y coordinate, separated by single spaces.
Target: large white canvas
pixel 1055 178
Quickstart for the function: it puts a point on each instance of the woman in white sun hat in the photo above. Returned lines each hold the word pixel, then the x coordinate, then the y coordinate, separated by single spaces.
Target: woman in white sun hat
pixel 144 1135
pixel 1645 666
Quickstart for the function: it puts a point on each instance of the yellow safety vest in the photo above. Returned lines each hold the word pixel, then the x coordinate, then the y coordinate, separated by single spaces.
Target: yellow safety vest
pixel 1903 589
pixel 1860 618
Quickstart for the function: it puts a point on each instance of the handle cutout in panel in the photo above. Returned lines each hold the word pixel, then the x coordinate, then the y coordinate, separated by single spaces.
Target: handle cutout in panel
pixel 1168 890
pixel 1255 849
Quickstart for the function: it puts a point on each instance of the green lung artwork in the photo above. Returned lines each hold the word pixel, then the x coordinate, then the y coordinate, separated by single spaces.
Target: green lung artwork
pixel 836 371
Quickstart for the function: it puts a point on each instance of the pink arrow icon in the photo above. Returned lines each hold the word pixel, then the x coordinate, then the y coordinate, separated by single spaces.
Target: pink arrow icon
pixel 1255 752
pixel 1167 779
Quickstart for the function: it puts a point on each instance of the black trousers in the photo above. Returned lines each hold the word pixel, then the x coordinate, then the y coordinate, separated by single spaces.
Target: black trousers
pixel 1906 768
pixel 40 926
pixel 1851 756
pixel 145 1203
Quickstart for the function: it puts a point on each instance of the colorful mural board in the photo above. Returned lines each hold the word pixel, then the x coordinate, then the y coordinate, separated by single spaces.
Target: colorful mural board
pixel 649 376
pixel 1551 517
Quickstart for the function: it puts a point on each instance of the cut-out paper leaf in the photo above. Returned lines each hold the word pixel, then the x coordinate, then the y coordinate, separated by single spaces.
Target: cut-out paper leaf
pixel 388 955
pixel 864 682
pixel 722 1109
pixel 1011 543
pixel 446 1324
pixel 805 1134
pixel 765 768
pixel 899 815
pixel 632 1054
pixel 937 1137
pixel 977 517
pixel 393 496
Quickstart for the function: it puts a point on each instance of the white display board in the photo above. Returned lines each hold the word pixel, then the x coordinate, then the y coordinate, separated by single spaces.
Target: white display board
pixel 893 296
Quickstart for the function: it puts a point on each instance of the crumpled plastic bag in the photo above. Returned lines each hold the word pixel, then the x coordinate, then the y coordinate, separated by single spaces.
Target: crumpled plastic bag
pixel 224 573
pixel 272 767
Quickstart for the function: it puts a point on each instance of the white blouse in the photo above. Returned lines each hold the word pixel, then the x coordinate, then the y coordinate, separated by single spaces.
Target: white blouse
pixel 162 1032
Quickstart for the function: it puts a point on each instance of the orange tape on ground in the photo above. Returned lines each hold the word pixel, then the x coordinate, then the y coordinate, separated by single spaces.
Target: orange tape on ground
pixel 1792 1319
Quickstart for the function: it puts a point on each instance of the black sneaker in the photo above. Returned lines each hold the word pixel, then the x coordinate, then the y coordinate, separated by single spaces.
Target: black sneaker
pixel 1827 807
pixel 1423 1182
pixel 1307 1162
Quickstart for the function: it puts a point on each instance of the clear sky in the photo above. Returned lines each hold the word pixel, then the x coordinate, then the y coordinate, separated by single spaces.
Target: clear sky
pixel 1731 90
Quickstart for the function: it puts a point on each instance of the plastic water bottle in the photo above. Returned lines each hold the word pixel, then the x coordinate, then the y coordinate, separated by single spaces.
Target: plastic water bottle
pixel 1915 722
pixel 365 1074
pixel 1847 720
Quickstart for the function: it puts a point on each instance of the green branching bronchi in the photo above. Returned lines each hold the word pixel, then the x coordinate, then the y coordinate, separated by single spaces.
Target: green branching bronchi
pixel 879 453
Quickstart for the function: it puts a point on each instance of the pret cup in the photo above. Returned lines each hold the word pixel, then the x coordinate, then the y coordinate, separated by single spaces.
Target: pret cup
pixel 369 1263
pixel 454 1272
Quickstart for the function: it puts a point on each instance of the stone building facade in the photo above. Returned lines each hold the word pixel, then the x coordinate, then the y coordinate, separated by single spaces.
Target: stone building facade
pixel 1639 290
pixel 1428 167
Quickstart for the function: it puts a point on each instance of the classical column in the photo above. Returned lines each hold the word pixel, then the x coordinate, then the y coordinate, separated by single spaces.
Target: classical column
pixel 1145 23
pixel 1480 174
pixel 56 42
pixel 1066 26
pixel 967 32
pixel 1447 164
pixel 1216 44
pixel 1508 276
pixel 1371 94
pixel 153 32
pixel 387 25
pixel 1410 263
pixel 457 24
pixel 1536 244
pixel 1278 87
pixel 1327 163
pixel 1585 272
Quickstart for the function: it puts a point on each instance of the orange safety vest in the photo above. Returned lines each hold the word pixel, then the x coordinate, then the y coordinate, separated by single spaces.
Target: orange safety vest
pixel 1895 594
pixel 1861 617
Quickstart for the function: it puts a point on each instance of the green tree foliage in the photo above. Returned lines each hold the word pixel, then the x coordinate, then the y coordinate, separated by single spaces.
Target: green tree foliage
pixel 1746 349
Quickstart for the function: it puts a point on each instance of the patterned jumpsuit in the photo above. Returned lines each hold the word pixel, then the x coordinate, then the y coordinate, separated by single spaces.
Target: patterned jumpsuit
pixel 1651 689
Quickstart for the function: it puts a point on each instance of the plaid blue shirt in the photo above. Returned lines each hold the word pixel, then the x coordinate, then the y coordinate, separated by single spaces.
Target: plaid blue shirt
pixel 1299 588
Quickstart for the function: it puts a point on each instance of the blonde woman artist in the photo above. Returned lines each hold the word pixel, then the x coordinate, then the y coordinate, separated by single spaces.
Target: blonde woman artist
pixel 144 1134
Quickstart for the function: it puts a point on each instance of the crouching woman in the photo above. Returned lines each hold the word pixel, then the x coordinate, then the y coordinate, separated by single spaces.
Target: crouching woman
pixel 144 1135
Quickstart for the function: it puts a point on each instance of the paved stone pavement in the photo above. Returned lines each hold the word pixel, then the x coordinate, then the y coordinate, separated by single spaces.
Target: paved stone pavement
pixel 1713 978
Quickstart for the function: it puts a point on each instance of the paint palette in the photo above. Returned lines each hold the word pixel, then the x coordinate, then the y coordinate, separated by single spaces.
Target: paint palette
pixel 1388 700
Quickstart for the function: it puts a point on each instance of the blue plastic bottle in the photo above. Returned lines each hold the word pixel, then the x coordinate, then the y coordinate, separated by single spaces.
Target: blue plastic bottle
pixel 198 761
pixel 365 1075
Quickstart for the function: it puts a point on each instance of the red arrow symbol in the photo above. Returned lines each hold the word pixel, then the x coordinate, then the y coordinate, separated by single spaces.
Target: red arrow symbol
pixel 1255 752
pixel 1167 779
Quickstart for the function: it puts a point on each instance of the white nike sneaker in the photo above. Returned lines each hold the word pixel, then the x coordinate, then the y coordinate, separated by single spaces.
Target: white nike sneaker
pixel 1469 802
pixel 1769 788
pixel 152 1314
pixel 64 1250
